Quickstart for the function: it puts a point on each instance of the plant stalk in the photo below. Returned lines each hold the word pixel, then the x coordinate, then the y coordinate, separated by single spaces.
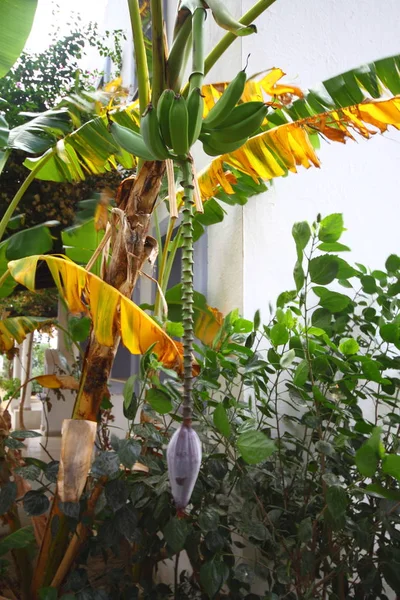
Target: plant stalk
pixel 18 196
pixel 178 55
pixel 159 61
pixel 187 287
pixel 26 382
pixel 197 75
pixel 228 39
pixel 142 69
pixel 162 268
pixel 175 244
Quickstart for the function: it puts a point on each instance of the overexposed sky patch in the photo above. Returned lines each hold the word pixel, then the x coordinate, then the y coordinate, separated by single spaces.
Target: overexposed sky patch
pixel 89 10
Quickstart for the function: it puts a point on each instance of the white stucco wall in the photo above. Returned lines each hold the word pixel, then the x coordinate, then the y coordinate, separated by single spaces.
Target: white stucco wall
pixel 312 41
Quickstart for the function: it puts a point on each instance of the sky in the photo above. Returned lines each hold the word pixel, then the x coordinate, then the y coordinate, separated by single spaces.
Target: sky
pixel 89 10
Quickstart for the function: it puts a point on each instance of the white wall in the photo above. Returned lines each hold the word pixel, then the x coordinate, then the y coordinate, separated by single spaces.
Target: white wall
pixel 251 254
pixel 312 41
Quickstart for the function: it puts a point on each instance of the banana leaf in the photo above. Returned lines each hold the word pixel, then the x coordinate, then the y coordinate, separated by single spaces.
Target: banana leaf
pixel 80 241
pixel 109 310
pixel 373 80
pixel 35 240
pixel 16 19
pixel 277 151
pixel 15 329
pixel 207 320
pixel 289 139
pixel 89 150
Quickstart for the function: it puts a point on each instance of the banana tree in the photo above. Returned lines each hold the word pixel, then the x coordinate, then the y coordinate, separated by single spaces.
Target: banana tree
pixel 251 139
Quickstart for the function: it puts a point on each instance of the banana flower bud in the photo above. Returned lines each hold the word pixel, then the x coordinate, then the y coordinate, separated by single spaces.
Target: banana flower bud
pixel 184 460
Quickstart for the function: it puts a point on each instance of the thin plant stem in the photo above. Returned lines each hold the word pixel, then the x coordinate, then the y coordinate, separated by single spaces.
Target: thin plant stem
pixel 163 264
pixel 176 572
pixel 157 35
pixel 178 55
pixel 197 75
pixel 158 233
pixel 142 70
pixel 228 39
pixel 25 386
pixel 176 243
pixel 18 196
pixel 166 252
pixel 4 277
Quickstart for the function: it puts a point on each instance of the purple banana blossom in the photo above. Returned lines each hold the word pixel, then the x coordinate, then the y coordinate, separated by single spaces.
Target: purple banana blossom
pixel 184 460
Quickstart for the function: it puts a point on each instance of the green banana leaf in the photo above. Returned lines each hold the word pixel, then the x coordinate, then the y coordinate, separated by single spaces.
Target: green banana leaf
pixel 41 132
pixel 372 80
pixel 15 329
pixel 4 132
pixel 80 241
pixel 244 188
pixel 90 150
pixel 207 320
pixel 16 19
pixel 35 240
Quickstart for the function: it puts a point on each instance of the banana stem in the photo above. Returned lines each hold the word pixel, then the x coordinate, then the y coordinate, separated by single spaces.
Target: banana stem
pixel 162 280
pixel 158 233
pixel 142 70
pixel 197 75
pixel 171 257
pixel 187 286
pixel 228 39
pixel 178 55
pixel 18 196
pixel 157 33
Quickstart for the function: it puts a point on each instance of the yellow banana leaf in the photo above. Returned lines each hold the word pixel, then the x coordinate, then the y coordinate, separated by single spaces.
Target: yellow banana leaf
pixel 15 329
pixel 56 382
pixel 109 310
pixel 208 324
pixel 283 148
pixel 207 320
pixel 255 89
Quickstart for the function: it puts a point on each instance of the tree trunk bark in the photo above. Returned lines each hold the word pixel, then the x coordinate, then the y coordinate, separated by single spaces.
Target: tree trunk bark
pixel 131 246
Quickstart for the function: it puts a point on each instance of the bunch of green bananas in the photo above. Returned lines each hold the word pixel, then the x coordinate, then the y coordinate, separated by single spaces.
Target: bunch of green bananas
pixel 166 132
pixel 170 130
pixel 228 125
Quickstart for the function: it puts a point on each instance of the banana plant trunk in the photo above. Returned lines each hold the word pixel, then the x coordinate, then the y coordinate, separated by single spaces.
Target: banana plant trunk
pixel 131 247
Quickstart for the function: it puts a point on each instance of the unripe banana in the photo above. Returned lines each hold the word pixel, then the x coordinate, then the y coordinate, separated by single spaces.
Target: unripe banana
pixel 241 129
pixel 179 126
pixel 240 113
pixel 225 20
pixel 224 106
pixel 151 134
pixel 163 108
pixel 195 104
pixel 214 147
pixel 131 141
